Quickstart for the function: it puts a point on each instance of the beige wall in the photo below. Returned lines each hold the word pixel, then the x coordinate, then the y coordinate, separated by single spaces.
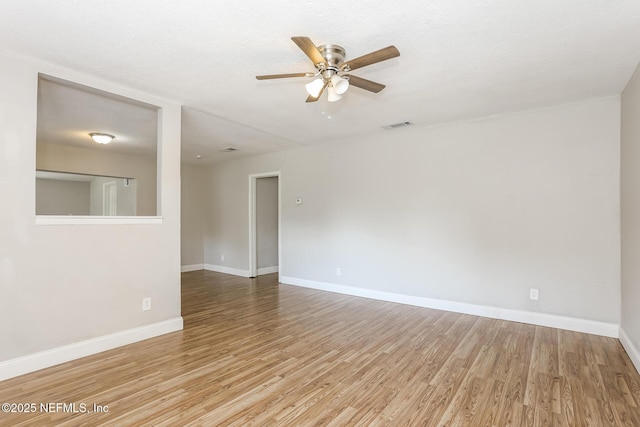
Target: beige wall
pixel 195 196
pixel 476 212
pixel 267 222
pixel 63 158
pixel 630 212
pixel 65 284
pixel 227 207
pixel 57 197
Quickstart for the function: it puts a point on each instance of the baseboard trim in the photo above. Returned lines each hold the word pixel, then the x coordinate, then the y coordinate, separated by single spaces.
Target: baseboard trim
pixel 267 270
pixel 55 356
pixel 632 350
pixel 227 270
pixel 540 319
pixel 192 267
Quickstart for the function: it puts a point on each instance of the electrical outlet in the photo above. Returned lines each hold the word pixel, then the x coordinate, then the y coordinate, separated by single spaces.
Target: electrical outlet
pixel 146 304
pixel 533 294
pixel 338 271
pixel 221 257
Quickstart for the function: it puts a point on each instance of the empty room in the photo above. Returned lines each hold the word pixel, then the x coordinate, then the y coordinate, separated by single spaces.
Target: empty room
pixel 423 213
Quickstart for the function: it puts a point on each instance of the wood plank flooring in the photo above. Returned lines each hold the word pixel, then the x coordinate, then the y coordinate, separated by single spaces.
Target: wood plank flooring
pixel 255 353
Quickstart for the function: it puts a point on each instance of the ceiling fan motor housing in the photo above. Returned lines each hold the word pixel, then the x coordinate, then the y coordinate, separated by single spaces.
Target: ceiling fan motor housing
pixel 333 54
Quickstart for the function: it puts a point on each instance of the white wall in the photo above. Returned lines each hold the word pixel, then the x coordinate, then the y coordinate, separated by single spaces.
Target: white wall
pixel 630 213
pixel 476 212
pixel 195 194
pixel 267 223
pixel 74 289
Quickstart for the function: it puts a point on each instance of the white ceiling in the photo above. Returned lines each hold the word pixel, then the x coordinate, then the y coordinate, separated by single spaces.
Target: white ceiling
pixel 459 59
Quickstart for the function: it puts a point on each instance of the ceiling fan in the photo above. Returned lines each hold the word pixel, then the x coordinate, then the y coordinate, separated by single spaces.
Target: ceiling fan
pixel 329 60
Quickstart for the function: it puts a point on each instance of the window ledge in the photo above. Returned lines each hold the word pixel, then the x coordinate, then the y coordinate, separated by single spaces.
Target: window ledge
pixel 95 220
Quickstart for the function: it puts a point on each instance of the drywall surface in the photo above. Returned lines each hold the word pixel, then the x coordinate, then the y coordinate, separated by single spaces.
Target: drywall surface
pixel 57 197
pixel 476 212
pixel 630 210
pixel 226 242
pixel 193 201
pixel 63 284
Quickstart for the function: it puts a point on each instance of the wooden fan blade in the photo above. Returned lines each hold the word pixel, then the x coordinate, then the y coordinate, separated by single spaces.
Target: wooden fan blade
pixel 371 58
pixel 312 99
pixel 364 83
pixel 309 49
pixel 283 76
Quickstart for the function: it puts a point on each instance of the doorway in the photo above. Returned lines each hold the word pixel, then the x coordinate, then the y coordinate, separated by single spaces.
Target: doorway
pixel 264 224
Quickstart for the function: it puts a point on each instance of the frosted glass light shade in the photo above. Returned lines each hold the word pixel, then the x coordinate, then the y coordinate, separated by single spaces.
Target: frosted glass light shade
pixel 101 138
pixel 340 85
pixel 314 87
pixel 332 94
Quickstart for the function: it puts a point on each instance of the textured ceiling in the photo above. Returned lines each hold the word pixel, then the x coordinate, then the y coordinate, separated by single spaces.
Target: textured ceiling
pixel 459 59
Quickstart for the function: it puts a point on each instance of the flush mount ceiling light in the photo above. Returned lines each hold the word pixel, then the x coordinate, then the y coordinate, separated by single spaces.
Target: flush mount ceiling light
pixel 331 66
pixel 101 138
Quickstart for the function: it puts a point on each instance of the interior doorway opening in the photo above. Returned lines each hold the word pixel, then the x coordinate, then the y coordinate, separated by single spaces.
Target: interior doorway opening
pixel 264 224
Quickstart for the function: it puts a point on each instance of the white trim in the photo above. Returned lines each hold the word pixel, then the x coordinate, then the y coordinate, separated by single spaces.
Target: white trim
pixel 109 198
pixel 55 356
pixel 192 267
pixel 253 255
pixel 227 270
pixel 632 350
pixel 267 270
pixel 540 319
pixel 253 251
pixel 95 220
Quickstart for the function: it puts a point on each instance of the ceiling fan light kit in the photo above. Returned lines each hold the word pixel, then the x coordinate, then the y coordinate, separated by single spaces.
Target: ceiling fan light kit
pixel 329 61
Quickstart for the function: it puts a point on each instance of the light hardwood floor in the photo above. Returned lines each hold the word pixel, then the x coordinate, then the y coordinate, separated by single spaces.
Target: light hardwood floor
pixel 257 353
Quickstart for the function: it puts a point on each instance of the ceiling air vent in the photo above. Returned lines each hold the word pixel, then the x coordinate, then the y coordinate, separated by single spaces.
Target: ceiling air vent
pixel 397 125
pixel 229 150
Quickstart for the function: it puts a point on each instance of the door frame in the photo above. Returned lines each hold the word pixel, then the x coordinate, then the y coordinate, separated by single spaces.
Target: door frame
pixel 253 245
pixel 110 198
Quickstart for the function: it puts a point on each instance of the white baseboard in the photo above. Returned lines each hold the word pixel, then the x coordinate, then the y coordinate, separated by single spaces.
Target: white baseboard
pixel 267 270
pixel 227 270
pixel 44 359
pixel 632 350
pixel 540 319
pixel 192 267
